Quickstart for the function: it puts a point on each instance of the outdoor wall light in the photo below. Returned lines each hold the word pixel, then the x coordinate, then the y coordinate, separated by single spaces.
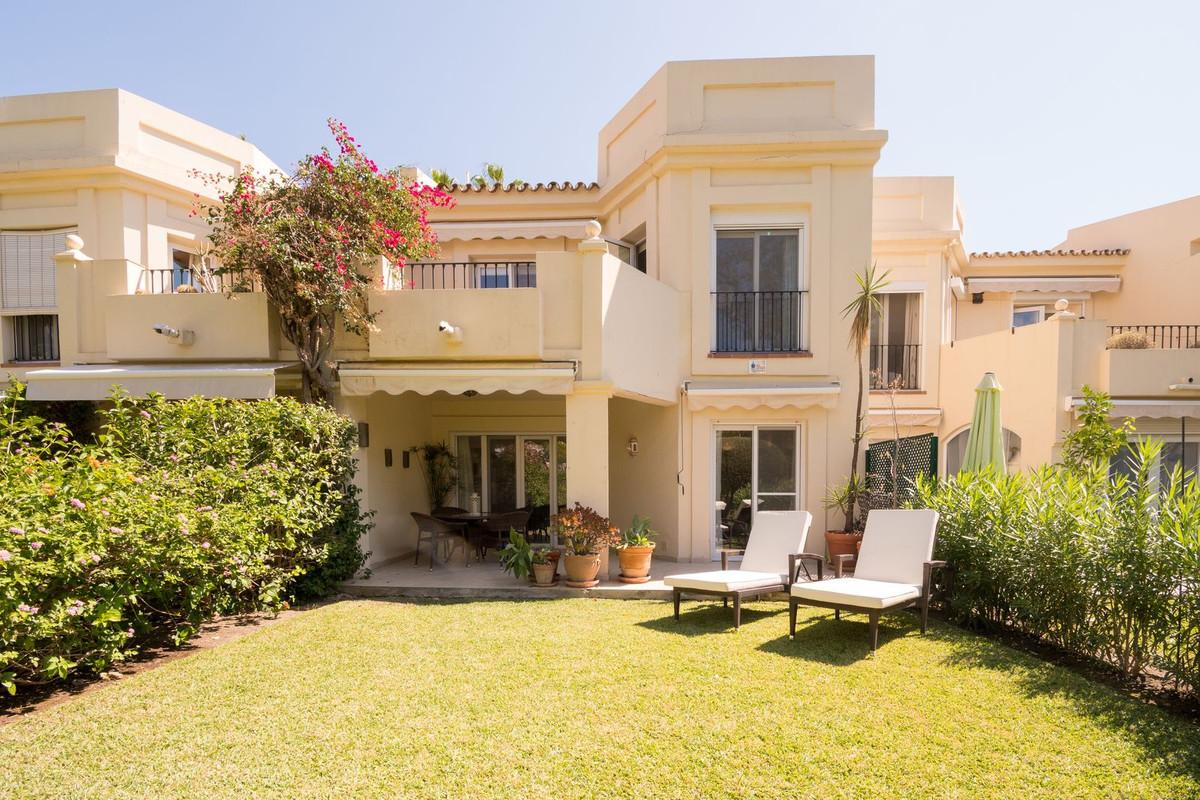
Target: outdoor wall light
pixel 632 447
pixel 175 335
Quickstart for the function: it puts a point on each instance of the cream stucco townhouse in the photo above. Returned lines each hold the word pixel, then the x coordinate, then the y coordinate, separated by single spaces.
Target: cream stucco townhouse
pixel 665 341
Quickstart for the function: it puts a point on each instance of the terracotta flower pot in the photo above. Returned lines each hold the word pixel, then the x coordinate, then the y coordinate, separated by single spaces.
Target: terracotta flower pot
pixel 543 574
pixel 582 570
pixel 554 556
pixel 839 543
pixel 635 564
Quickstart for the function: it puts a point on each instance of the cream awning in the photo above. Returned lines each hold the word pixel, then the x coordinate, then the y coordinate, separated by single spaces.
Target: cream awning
pixel 1172 409
pixel 906 417
pixel 722 396
pixel 1052 285
pixel 517 229
pixel 173 381
pixel 557 379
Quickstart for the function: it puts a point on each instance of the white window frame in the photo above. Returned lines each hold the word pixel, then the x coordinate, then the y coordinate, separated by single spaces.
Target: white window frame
pixel 714 455
pixel 1041 312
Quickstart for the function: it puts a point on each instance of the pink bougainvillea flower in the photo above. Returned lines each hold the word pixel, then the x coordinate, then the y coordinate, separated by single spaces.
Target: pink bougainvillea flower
pixel 115 529
pixel 35 545
pixel 205 545
pixel 204 508
pixel 16 531
pixel 5 555
pixel 145 414
pixel 77 503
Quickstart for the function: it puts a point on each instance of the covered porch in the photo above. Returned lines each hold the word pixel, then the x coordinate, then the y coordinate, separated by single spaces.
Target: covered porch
pixel 523 437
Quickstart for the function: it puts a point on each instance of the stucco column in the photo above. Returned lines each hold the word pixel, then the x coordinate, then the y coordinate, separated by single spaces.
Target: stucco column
pixel 67 290
pixel 356 409
pixel 587 449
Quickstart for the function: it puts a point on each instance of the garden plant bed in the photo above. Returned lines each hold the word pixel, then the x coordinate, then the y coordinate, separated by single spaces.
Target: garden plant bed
pixel 403 699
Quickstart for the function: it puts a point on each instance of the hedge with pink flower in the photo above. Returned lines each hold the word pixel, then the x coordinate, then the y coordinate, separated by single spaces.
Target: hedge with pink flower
pixel 180 512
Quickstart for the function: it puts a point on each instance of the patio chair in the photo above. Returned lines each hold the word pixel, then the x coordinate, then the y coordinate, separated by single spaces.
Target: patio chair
pixel 495 530
pixel 774 552
pixel 894 571
pixel 439 532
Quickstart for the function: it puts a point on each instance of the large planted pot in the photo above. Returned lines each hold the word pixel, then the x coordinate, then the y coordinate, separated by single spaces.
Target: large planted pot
pixel 582 570
pixel 635 564
pixel 840 543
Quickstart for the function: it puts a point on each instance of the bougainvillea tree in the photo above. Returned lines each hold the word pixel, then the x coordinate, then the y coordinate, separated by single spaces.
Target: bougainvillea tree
pixel 306 239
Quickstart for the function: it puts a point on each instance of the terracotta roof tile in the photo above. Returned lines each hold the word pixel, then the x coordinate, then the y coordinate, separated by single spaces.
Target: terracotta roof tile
pixel 552 186
pixel 1039 253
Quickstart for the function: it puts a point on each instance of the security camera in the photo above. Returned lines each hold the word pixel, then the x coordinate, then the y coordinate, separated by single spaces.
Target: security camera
pixel 452 332
pixel 175 335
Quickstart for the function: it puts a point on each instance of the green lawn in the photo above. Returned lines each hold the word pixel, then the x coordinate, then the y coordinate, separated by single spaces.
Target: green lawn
pixel 598 698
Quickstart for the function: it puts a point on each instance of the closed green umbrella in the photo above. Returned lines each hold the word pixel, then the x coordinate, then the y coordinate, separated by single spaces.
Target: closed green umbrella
pixel 985 442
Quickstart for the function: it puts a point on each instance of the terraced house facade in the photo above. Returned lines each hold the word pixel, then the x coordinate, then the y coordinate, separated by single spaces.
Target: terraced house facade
pixel 666 341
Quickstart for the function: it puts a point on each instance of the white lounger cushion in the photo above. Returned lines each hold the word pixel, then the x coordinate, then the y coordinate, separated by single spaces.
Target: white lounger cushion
pixel 775 536
pixel 896 545
pixel 857 592
pixel 727 580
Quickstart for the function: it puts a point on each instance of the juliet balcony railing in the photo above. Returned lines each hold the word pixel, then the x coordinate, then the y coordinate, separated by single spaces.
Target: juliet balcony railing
pixel 1163 337
pixel 171 280
pixel 895 366
pixel 759 322
pixel 463 275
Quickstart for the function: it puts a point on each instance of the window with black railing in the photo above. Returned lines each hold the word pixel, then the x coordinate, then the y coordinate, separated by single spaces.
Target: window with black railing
pixel 895 348
pixel 32 337
pixel 464 275
pixel 759 305
pixel 758 322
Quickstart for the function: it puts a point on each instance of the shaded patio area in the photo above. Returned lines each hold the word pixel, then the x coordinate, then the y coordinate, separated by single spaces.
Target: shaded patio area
pixel 399 578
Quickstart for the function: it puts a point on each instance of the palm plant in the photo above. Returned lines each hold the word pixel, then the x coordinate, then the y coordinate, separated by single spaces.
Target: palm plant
pixel 864 305
pixel 441 178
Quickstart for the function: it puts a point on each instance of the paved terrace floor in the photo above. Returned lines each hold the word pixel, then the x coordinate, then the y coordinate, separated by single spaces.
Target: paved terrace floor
pixel 399 578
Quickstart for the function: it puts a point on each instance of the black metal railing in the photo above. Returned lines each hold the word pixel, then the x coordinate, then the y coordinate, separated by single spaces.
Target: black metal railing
pixel 169 280
pixel 895 366
pixel 1166 337
pixel 759 322
pixel 34 337
pixel 465 275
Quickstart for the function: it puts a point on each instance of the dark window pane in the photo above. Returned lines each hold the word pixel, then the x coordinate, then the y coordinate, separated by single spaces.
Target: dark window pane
pixel 502 473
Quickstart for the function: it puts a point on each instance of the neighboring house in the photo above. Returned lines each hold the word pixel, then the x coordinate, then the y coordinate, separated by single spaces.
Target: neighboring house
pixel 666 341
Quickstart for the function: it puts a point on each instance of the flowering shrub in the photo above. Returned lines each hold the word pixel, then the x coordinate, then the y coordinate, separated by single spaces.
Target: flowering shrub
pixel 183 511
pixel 583 530
pixel 1106 567
pixel 304 238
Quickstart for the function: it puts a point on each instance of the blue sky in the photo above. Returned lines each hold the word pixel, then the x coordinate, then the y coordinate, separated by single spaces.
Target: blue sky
pixel 1050 114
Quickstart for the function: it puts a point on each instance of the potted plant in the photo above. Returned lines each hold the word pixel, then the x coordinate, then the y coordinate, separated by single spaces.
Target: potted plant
pixel 844 497
pixel 634 551
pixel 517 556
pixel 544 568
pixel 584 532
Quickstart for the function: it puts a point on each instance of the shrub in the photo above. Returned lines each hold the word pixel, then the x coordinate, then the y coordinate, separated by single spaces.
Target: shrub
pixel 1129 340
pixel 1095 441
pixel 1103 567
pixel 181 512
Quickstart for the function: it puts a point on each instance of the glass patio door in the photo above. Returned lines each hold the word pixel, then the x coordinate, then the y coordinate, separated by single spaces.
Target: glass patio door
pixel 510 471
pixel 756 468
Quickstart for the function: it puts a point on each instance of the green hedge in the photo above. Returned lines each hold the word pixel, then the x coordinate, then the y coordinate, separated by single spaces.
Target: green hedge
pixel 182 511
pixel 1103 567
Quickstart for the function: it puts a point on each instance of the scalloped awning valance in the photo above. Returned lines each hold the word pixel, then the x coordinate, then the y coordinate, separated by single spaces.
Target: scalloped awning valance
pixel 723 396
pixel 555 379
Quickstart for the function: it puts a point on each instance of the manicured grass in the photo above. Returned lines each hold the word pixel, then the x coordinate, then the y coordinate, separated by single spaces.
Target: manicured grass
pixel 599 698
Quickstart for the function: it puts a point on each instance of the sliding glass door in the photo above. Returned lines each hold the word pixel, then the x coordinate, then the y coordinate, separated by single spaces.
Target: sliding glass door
pixel 755 468
pixel 510 471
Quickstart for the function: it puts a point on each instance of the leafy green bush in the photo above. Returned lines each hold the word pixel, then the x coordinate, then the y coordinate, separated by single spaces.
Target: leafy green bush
pixel 181 512
pixel 1107 567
